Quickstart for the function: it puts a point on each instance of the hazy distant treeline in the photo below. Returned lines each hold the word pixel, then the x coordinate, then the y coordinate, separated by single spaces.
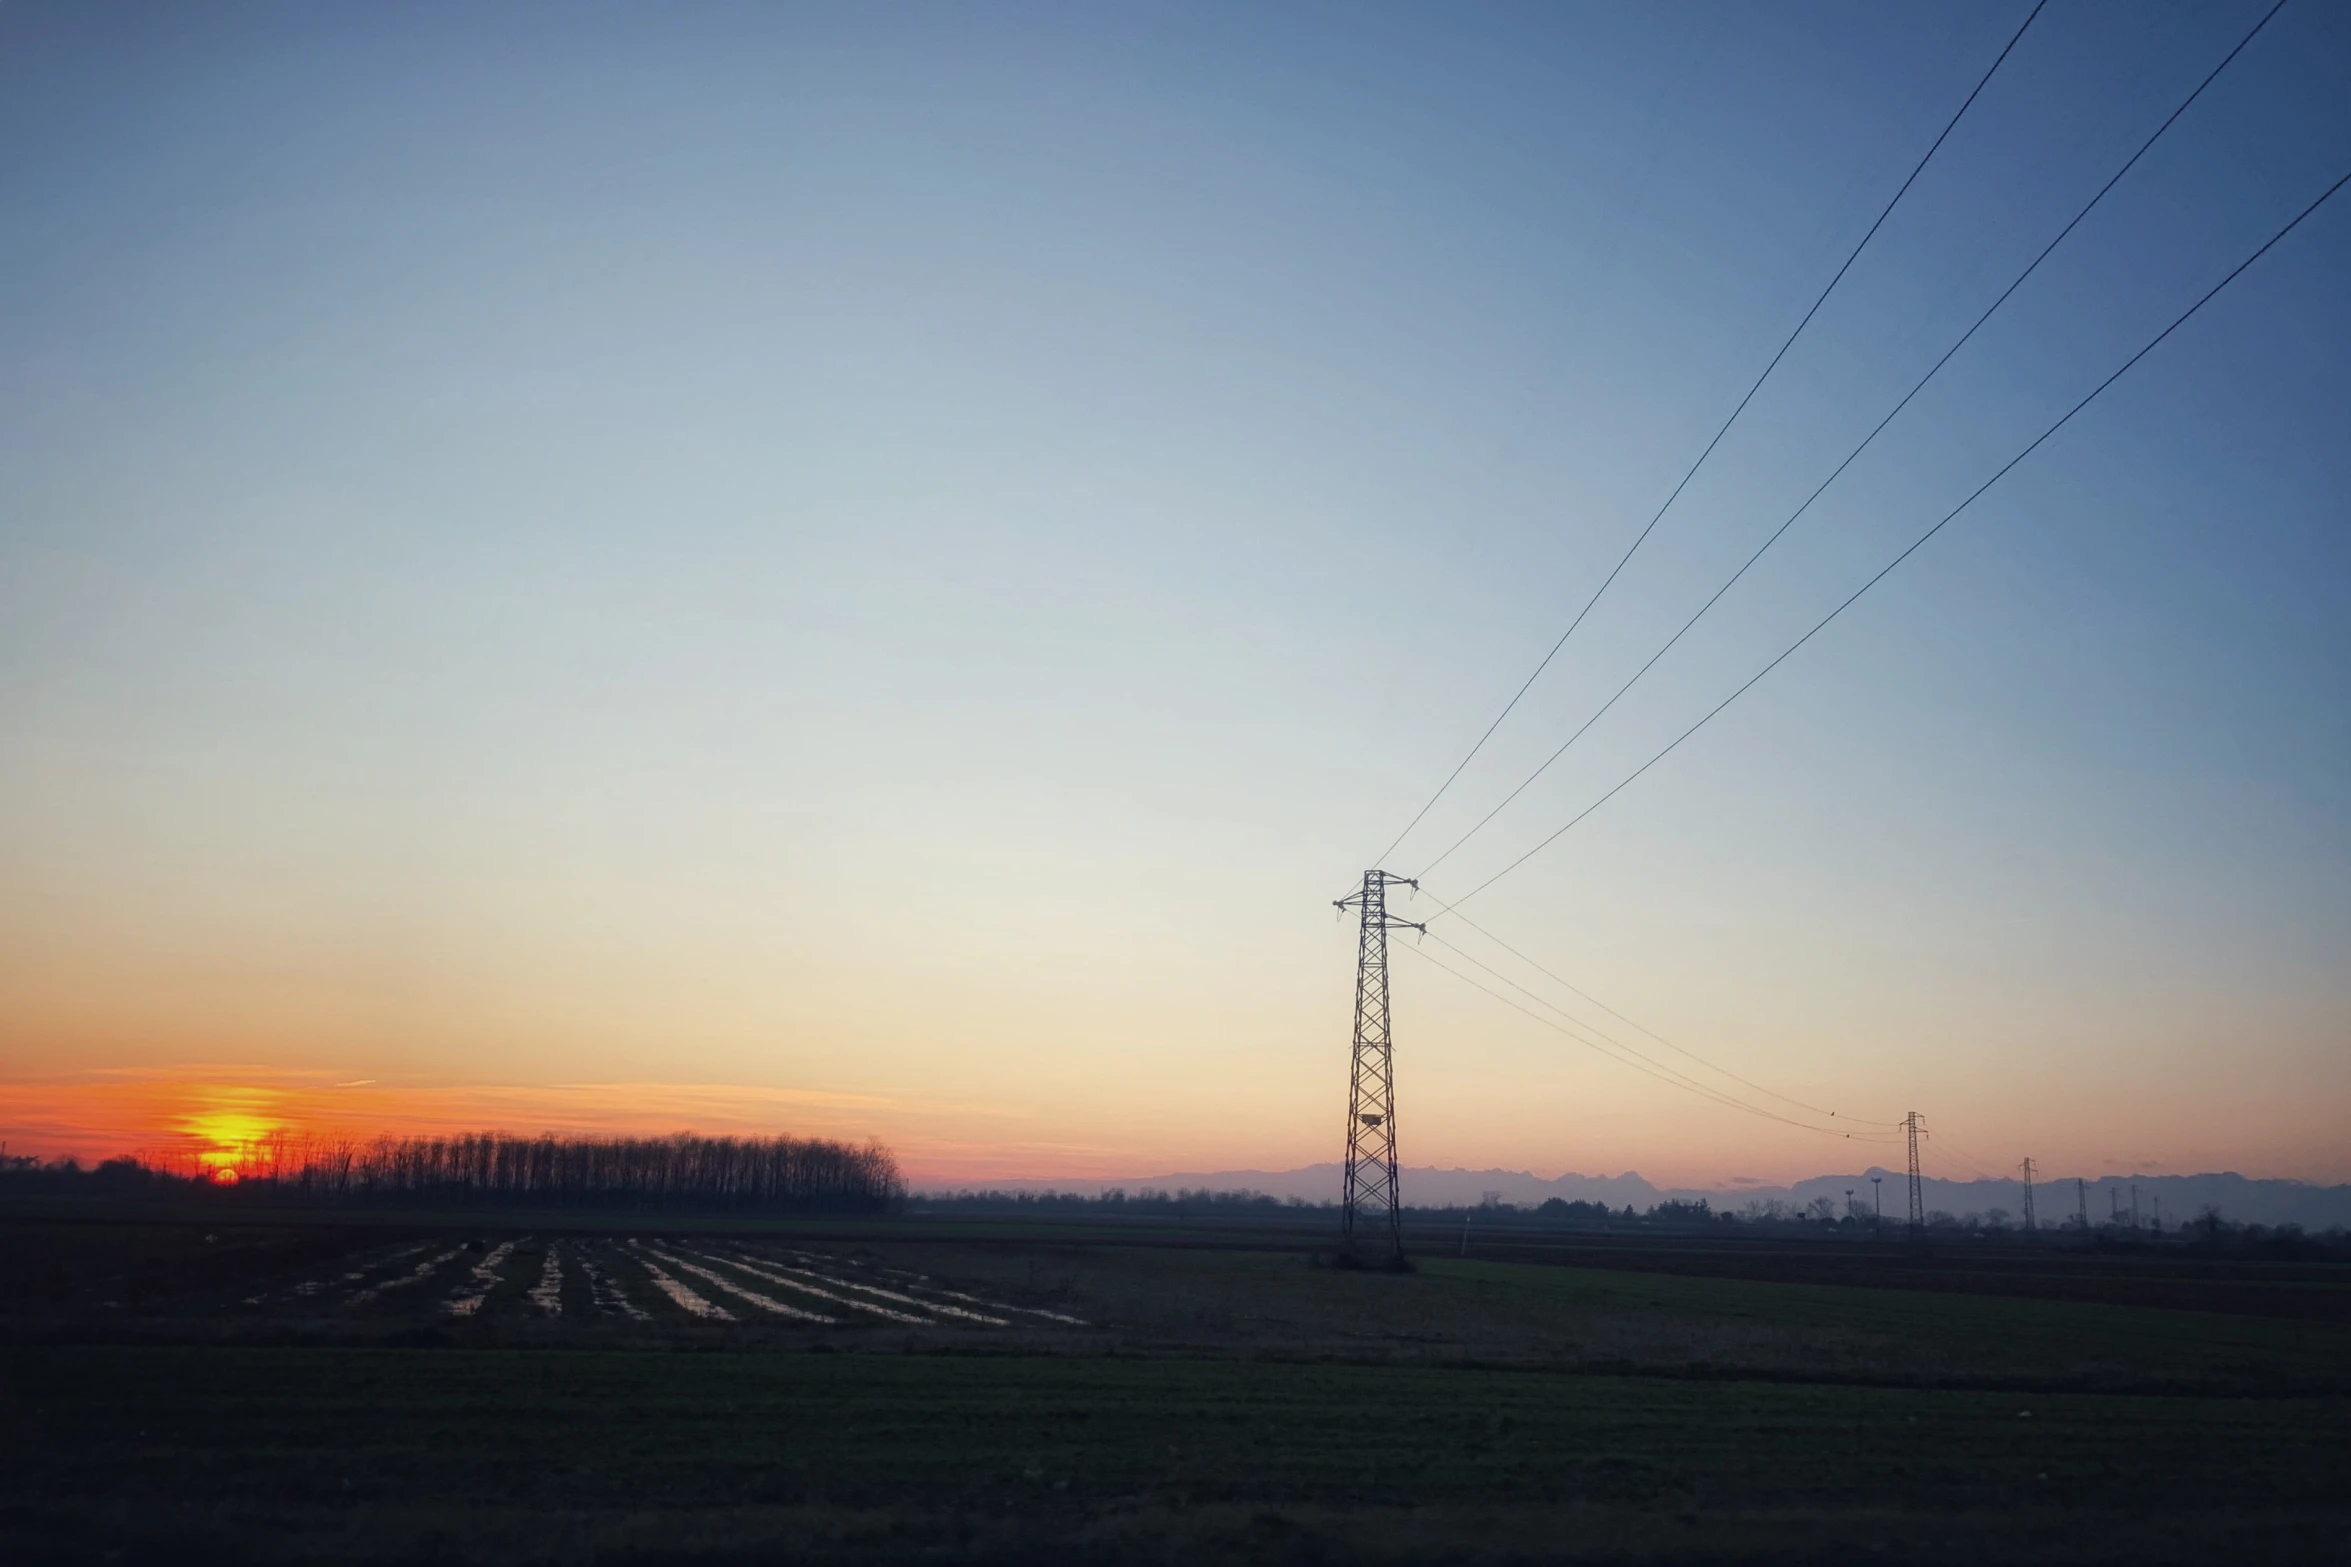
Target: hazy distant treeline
pixel 497 1169
pixel 1819 1220
pixel 1117 1199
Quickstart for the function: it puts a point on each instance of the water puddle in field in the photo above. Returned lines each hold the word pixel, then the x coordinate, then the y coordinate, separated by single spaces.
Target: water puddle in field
pixel 721 1281
pixel 608 1294
pixel 366 1264
pixel 930 1286
pixel 547 1294
pixel 791 1277
pixel 680 1293
pixel 416 1275
pixel 468 1300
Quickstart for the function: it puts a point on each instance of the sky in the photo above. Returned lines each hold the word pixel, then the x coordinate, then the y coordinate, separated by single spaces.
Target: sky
pixel 873 571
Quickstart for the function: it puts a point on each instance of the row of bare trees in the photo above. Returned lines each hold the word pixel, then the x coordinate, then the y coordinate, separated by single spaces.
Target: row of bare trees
pixel 502 1169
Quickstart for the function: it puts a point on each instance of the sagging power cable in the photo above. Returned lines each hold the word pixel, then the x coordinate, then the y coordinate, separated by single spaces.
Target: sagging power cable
pixel 1866 441
pixel 1673 1072
pixel 1726 1101
pixel 1917 543
pixel 1790 342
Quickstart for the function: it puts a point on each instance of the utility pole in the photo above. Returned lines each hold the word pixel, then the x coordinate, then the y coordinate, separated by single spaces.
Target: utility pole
pixel 2027 1167
pixel 1877 1190
pixel 1368 1204
pixel 1918 1210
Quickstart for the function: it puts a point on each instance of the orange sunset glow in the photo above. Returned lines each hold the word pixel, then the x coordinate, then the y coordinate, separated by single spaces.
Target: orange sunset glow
pixel 931 682
pixel 228 1123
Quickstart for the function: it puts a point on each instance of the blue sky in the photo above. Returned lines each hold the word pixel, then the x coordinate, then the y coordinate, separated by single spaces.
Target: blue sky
pixel 909 553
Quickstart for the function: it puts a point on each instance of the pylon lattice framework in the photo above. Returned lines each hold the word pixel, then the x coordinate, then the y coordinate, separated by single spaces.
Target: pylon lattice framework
pixel 1918 1211
pixel 1370 1213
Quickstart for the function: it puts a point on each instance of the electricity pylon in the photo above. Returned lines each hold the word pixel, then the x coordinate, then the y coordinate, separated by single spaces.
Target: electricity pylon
pixel 1918 1207
pixel 2027 1168
pixel 1369 1210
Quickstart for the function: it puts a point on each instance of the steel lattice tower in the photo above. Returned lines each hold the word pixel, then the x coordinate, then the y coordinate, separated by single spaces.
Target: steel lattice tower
pixel 2027 1168
pixel 1918 1207
pixel 1369 1211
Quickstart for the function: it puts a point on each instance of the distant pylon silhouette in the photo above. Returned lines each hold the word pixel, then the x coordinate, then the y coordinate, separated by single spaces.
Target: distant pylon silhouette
pixel 1371 1216
pixel 2027 1168
pixel 1918 1207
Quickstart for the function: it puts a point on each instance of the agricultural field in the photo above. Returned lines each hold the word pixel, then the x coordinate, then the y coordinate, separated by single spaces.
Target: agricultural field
pixel 481 1287
pixel 914 1389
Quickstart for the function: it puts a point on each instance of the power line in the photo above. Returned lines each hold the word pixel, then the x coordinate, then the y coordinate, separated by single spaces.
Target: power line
pixel 1970 1160
pixel 1956 1169
pixel 1866 441
pixel 1637 1063
pixel 1675 1073
pixel 1915 544
pixel 1446 909
pixel 1850 258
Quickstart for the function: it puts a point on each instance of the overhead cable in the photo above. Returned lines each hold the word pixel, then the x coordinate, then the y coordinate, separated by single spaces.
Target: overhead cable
pixel 1446 909
pixel 1675 1073
pixel 1915 544
pixel 1734 1104
pixel 1968 1159
pixel 1692 473
pixel 1866 441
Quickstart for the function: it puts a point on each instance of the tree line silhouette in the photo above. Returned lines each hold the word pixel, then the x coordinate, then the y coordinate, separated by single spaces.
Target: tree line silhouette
pixel 499 1169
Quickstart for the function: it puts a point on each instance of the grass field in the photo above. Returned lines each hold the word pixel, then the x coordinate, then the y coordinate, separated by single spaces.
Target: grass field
pixel 1113 1396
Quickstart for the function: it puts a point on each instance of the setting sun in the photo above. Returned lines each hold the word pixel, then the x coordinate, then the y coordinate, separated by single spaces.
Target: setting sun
pixel 226 1131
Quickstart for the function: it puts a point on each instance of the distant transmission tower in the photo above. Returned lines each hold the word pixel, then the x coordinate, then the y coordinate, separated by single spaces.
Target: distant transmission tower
pixel 1918 1207
pixel 1369 1210
pixel 2081 1195
pixel 2027 1167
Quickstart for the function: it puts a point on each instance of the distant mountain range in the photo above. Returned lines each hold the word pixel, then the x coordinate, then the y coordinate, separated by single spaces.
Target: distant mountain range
pixel 2172 1199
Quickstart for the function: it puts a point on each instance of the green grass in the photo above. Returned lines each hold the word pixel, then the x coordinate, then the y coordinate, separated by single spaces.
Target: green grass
pixel 1221 1403
pixel 110 1435
pixel 1920 1334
